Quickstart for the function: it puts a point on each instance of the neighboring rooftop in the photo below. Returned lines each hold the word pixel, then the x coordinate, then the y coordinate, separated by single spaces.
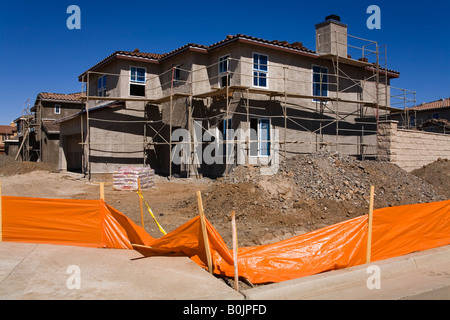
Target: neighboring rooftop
pixel 5 129
pixel 72 97
pixel 445 124
pixel 438 104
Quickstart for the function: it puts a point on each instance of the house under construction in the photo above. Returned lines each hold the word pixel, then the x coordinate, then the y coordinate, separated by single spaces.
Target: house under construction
pixel 281 98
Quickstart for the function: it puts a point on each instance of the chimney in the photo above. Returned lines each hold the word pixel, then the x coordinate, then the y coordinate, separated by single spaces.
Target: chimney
pixel 331 37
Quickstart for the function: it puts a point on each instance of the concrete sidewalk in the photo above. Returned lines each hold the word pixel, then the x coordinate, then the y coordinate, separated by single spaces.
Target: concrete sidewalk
pixel 38 271
pixel 407 277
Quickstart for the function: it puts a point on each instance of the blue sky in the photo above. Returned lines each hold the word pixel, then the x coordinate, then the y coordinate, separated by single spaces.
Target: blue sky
pixel 39 53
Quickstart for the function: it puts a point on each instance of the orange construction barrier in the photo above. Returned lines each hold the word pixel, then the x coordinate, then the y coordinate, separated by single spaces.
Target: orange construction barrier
pixel 396 231
pixel 87 223
pixel 92 223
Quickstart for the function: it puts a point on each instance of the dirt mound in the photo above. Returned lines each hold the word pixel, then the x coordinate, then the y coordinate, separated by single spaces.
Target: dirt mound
pixel 309 192
pixel 9 167
pixel 437 174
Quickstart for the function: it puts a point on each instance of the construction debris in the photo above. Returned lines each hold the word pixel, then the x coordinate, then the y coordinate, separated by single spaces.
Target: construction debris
pixel 309 192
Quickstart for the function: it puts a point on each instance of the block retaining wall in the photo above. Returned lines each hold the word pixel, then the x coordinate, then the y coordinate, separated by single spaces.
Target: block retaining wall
pixel 410 149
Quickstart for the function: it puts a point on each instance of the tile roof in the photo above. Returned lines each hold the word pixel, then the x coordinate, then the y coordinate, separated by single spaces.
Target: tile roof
pixel 295 46
pixel 186 46
pixel 51 126
pixel 7 129
pixel 285 44
pixel 230 38
pixel 136 54
pixel 72 97
pixel 439 104
pixel 436 122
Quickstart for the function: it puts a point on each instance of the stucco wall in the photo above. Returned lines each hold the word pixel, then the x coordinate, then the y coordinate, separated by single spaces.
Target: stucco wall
pixel 410 149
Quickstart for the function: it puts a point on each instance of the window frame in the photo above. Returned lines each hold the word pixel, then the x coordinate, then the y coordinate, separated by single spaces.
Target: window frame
pixel 259 71
pixel 313 73
pixel 225 126
pixel 57 109
pixel 258 138
pixel 176 74
pixel 412 121
pixel 101 91
pixel 136 82
pixel 223 74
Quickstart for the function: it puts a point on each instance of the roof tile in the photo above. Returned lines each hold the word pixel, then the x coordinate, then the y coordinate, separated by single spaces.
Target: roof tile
pixel 439 104
pixel 72 97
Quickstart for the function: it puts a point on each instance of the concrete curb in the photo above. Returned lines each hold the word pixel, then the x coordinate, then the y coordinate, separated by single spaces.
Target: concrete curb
pixel 334 280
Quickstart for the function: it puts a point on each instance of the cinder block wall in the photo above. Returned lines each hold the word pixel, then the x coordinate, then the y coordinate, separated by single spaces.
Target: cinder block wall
pixel 410 149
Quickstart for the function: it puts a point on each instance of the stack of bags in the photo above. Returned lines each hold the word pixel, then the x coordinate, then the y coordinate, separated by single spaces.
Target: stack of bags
pixel 126 178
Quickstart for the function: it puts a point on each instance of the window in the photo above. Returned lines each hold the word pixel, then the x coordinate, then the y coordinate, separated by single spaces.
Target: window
pixel 320 82
pixel 260 70
pixel 57 109
pixel 176 74
pixel 227 134
pixel 435 115
pixel 101 86
pixel 412 121
pixel 137 81
pixel 224 69
pixel 259 137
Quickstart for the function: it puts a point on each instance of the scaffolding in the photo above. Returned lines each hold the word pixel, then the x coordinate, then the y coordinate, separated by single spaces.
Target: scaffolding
pixel 28 126
pixel 355 101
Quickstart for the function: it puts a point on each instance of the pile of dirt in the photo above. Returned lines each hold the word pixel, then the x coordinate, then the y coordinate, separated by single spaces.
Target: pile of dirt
pixel 9 167
pixel 437 174
pixel 309 192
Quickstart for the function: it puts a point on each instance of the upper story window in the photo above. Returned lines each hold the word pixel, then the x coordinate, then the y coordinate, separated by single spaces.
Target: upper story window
pixel 224 68
pixel 137 81
pixel 177 74
pixel 320 82
pixel 101 86
pixel 57 109
pixel 260 70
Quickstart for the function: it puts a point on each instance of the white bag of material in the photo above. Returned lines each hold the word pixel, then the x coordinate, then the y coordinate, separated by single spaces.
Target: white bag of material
pixel 126 178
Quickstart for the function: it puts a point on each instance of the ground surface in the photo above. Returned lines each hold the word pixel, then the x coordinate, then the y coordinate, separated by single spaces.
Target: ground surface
pixel 308 193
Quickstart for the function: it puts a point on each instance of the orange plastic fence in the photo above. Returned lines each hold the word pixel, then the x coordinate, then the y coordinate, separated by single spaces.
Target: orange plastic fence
pixel 93 223
pixel 87 223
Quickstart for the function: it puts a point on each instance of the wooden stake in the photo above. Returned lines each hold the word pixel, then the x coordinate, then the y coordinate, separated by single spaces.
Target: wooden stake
pixel 235 250
pixel 204 232
pixel 102 191
pixel 140 202
pixel 1 216
pixel 370 222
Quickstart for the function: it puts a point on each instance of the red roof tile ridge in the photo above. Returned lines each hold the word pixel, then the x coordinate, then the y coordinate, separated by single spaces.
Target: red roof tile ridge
pixel 60 96
pixel 438 104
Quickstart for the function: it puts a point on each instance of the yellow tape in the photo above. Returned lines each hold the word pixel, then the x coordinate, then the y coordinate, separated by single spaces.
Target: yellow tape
pixel 151 213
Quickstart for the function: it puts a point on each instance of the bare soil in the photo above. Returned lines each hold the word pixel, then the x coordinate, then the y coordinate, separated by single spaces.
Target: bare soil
pixel 436 174
pixel 308 193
